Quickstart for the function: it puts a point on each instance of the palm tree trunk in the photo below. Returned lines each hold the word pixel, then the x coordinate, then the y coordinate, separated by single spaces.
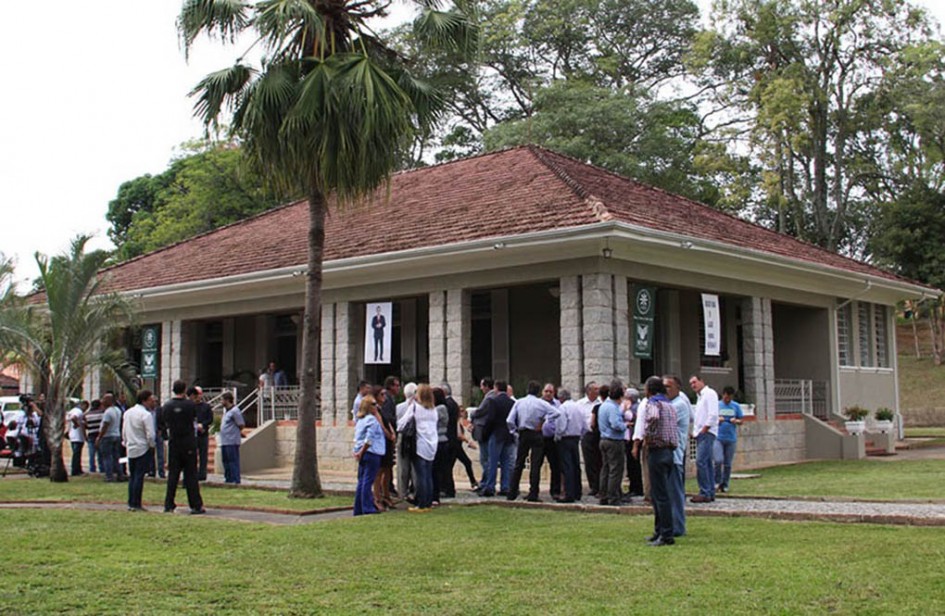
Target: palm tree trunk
pixel 54 432
pixel 305 480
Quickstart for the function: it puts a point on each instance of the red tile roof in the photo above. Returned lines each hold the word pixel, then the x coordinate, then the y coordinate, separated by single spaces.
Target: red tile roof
pixel 504 193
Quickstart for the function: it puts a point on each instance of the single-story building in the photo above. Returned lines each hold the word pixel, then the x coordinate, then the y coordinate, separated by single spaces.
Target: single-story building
pixel 526 264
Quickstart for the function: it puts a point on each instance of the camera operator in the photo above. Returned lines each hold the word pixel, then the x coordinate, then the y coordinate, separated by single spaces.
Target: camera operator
pixel 24 427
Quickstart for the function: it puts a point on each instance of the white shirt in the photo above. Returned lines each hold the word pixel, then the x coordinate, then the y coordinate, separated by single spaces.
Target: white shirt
pixel 639 428
pixel 707 412
pixel 75 434
pixel 426 429
pixel 137 431
pixel 587 407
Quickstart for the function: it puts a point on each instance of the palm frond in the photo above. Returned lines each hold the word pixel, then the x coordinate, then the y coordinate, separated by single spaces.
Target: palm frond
pixel 451 31
pixel 291 28
pixel 223 18
pixel 223 87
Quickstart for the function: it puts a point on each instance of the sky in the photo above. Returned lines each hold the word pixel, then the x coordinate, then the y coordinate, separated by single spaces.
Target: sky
pixel 95 94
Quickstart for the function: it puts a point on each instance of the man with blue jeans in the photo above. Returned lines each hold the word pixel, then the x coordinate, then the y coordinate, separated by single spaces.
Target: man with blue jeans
pixel 231 435
pixel 76 423
pixel 705 428
pixel 677 493
pixel 730 416
pixel 109 440
pixel 493 415
pixel 137 435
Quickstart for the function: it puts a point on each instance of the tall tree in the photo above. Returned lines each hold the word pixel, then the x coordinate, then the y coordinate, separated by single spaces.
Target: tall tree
pixel 66 336
pixel 327 111
pixel 790 76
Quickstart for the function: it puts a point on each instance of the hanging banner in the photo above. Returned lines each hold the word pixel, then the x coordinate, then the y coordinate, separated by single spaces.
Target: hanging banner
pixel 149 351
pixel 377 332
pixel 644 309
pixel 712 320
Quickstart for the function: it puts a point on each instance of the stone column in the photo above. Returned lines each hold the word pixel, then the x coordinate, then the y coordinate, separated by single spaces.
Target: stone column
pixel 437 336
pixel 93 385
pixel 621 329
pixel 346 360
pixel 597 297
pixel 572 351
pixel 170 356
pixel 758 351
pixel 327 352
pixel 458 343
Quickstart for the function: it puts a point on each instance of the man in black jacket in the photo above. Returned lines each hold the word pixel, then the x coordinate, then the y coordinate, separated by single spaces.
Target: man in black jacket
pixel 177 419
pixel 493 414
pixel 204 421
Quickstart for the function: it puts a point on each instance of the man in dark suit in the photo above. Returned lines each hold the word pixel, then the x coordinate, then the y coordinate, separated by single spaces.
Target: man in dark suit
pixel 495 435
pixel 177 419
pixel 204 422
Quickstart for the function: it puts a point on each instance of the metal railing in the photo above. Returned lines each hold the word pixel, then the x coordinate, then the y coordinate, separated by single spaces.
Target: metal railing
pixel 277 402
pixel 804 396
pixel 214 396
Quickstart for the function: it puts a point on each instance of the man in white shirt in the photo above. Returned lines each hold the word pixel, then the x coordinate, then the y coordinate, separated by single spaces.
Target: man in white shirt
pixel 137 435
pixel 75 420
pixel 705 428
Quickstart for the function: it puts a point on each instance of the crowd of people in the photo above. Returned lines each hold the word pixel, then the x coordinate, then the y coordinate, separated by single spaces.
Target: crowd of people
pixel 620 432
pixel 126 443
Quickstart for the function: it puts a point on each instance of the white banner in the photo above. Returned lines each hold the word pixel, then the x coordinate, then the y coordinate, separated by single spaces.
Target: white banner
pixel 377 329
pixel 713 324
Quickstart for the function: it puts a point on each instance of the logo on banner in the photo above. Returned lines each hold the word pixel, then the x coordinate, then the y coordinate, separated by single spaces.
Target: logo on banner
pixel 149 351
pixel 643 310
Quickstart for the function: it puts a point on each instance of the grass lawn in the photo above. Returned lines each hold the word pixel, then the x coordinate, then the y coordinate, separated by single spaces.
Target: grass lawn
pixel 96 490
pixel 925 432
pixel 921 382
pixel 867 479
pixel 465 560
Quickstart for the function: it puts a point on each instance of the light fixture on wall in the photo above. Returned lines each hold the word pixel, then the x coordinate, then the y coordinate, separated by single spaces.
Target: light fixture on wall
pixel 686 244
pixel 498 246
pixel 607 251
pixel 298 273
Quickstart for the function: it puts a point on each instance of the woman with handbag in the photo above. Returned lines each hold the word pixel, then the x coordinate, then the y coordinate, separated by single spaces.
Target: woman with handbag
pixel 423 412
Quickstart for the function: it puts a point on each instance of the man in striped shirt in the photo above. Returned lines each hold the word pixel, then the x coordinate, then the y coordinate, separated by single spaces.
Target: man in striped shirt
pixel 93 424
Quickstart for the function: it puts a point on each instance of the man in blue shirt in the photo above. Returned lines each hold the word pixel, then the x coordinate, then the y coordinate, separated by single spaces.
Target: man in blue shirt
pixel 525 420
pixel 612 449
pixel 730 417
pixel 677 486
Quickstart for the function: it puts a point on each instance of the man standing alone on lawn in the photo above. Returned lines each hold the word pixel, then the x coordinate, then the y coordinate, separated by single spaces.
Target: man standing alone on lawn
pixel 137 434
pixel 705 428
pixel 178 416
pixel 231 436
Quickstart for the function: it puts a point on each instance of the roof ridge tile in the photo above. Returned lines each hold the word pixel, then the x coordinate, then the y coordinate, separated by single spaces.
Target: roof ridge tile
pixel 598 208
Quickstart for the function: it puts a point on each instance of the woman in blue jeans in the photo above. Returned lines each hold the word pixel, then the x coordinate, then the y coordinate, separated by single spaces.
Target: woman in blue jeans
pixel 423 411
pixel 370 445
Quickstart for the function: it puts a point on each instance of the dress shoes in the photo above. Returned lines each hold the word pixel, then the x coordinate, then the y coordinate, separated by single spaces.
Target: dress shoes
pixel 701 499
pixel 486 493
pixel 659 542
pixel 533 499
pixel 652 538
pixel 503 492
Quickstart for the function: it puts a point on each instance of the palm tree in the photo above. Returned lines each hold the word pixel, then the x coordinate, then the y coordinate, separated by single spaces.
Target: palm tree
pixel 328 111
pixel 60 340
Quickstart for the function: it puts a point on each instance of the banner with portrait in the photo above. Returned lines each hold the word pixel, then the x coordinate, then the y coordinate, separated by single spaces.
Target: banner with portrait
pixel 377 332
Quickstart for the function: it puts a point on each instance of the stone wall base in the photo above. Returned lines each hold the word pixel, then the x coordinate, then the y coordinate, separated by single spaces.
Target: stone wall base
pixel 764 443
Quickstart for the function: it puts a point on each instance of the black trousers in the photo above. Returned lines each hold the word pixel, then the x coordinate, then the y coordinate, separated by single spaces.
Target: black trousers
pixel 529 442
pixel 570 456
pixel 459 454
pixel 590 447
pixel 182 458
pixel 203 451
pixel 661 467
pixel 443 473
pixel 611 473
pixel 550 452
pixel 634 472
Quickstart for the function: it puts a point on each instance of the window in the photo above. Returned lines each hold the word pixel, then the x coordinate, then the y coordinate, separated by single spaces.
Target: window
pixel 844 340
pixel 879 336
pixel 872 335
pixel 865 334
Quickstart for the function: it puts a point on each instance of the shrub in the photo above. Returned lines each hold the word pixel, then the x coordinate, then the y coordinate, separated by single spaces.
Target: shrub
pixel 855 413
pixel 884 414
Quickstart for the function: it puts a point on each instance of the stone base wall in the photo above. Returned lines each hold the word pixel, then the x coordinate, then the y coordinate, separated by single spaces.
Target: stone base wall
pixel 763 443
pixel 334 447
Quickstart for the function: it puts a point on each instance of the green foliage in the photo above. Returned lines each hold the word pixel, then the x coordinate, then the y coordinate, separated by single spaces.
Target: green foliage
pixel 652 141
pixel 909 236
pixel 207 186
pixel 884 414
pixel 792 81
pixel 855 413
pixel 67 335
